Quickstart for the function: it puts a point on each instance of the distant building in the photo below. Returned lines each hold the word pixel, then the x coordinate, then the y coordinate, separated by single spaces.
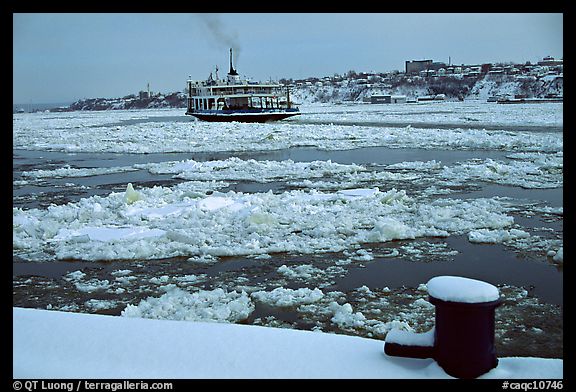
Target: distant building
pixel 496 72
pixel 437 97
pixel 415 66
pixel 145 94
pixel 472 74
pixel 427 72
pixel 398 99
pixel 437 65
pixel 388 99
pixel 550 61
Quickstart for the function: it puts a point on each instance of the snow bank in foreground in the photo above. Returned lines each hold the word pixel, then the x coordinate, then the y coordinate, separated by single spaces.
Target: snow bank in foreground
pixel 169 222
pixel 51 344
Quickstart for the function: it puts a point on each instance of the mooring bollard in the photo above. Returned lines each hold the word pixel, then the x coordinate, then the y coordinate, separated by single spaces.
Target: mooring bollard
pixel 462 340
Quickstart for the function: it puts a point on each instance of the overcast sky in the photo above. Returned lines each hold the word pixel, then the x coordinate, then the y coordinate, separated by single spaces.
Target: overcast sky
pixel 65 57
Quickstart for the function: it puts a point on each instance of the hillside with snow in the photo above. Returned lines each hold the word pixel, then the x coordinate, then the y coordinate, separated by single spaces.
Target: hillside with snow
pixel 454 87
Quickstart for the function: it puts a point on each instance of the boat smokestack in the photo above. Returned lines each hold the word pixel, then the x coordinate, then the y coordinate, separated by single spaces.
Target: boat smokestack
pixel 232 70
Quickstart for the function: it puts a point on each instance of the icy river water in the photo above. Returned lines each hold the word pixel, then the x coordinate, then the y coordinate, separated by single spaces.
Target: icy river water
pixel 332 221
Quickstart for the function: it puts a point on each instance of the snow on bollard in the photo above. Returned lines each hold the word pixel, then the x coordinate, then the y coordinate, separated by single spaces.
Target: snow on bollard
pixel 462 340
pixel 409 344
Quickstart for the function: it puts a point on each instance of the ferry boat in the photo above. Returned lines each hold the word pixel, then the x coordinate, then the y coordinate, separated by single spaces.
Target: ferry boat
pixel 233 99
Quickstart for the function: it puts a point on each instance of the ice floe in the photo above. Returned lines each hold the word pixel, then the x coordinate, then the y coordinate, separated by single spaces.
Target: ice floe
pixel 106 234
pixel 216 305
pixel 544 172
pixel 59 132
pixel 238 169
pixel 557 256
pixel 305 271
pixel 468 112
pixel 168 222
pixel 288 297
pixel 67 171
pixel 526 170
pixel 496 236
pixel 100 304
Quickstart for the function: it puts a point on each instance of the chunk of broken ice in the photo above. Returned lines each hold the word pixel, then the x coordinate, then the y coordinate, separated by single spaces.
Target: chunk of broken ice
pixel 131 195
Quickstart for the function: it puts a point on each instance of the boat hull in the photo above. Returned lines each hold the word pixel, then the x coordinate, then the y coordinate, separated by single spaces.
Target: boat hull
pixel 258 117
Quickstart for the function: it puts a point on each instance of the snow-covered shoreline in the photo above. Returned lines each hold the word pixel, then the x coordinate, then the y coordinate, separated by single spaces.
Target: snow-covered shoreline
pixel 53 344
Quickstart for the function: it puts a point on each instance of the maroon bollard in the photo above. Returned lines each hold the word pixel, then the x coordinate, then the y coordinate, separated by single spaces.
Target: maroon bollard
pixel 462 340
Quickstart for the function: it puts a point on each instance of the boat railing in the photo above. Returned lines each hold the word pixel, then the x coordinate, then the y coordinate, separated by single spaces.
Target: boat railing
pixel 249 110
